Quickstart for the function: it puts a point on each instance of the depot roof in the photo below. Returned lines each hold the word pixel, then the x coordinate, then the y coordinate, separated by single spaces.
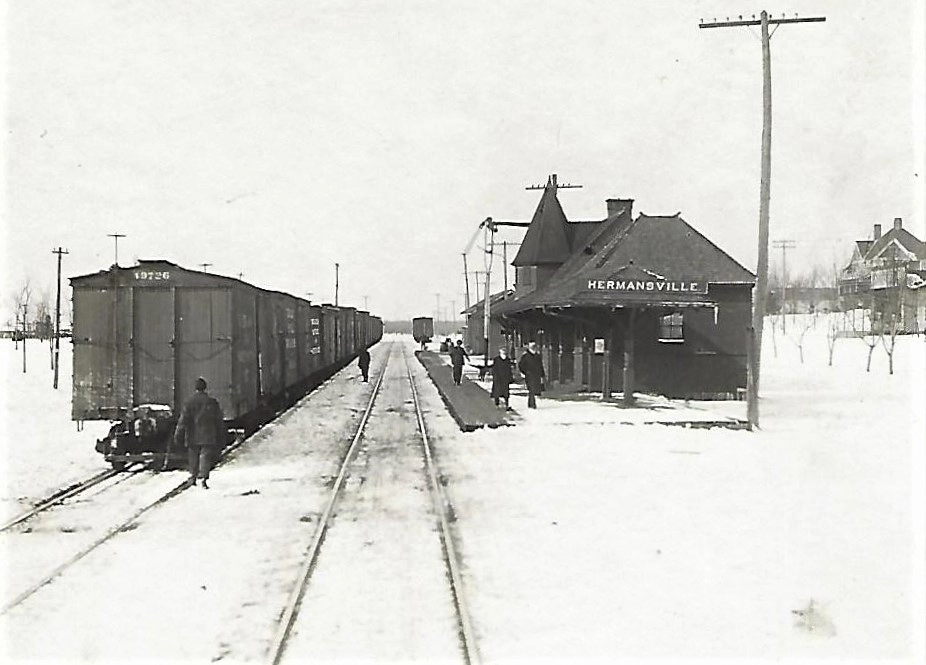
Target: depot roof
pixel 654 260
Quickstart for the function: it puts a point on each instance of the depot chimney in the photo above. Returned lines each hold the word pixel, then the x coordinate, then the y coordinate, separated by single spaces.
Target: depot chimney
pixel 617 205
pixel 898 223
pixel 877 233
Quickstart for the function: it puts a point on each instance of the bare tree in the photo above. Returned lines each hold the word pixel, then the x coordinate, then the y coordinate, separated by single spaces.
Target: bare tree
pixel 21 298
pixel 891 308
pixel 836 321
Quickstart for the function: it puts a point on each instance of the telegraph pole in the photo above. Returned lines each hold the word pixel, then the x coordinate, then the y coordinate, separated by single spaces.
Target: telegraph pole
pixel 115 237
pixel 784 246
pixel 758 314
pixel 505 264
pixel 337 267
pixel 59 252
pixel 204 265
pixel 466 279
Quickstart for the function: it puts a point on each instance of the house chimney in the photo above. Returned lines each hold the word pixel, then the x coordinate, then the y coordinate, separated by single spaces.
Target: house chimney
pixel 877 233
pixel 616 205
pixel 898 223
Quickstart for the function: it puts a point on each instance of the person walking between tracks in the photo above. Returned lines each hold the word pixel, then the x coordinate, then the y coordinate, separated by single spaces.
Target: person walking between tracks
pixel 457 354
pixel 201 428
pixel 531 366
pixel 363 360
pixel 501 376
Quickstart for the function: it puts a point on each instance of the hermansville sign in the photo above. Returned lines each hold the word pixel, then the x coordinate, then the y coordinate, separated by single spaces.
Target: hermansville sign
pixel 652 286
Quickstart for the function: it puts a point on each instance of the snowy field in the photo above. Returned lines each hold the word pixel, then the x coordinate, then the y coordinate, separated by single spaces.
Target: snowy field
pixel 585 539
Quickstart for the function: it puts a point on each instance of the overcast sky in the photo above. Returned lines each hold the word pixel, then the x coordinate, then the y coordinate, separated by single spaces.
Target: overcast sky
pixel 274 138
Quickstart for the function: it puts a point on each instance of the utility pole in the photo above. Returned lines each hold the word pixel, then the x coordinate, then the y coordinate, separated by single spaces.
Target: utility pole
pixel 115 237
pixel 437 309
pixel 784 246
pixel 489 244
pixel 25 332
pixel 758 313
pixel 505 264
pixel 365 299
pixel 59 252
pixel 337 267
pixel 466 279
pixel 204 265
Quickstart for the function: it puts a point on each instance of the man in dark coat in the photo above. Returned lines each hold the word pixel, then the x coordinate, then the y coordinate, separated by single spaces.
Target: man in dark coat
pixel 201 428
pixel 531 366
pixel 457 354
pixel 363 360
pixel 501 376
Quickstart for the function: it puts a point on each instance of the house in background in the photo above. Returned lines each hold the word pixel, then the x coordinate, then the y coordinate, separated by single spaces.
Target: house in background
pixel 887 275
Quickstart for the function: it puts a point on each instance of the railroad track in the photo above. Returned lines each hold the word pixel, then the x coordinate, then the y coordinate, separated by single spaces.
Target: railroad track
pixel 59 496
pixel 292 608
pixel 109 533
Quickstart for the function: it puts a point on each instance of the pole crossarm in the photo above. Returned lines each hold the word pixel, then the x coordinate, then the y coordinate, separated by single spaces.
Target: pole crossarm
pixel 772 21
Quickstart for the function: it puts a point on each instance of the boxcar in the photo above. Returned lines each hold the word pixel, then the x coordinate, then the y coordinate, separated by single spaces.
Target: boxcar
pixel 423 330
pixel 143 335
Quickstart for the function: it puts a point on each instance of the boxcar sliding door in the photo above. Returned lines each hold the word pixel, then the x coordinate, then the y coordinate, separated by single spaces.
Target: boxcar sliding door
pixel 102 374
pixel 203 344
pixel 152 346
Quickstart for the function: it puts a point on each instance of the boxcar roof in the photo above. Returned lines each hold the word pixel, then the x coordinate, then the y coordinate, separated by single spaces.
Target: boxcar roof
pixel 159 272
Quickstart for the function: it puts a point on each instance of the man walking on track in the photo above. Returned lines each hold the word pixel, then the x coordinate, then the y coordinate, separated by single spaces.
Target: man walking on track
pixel 201 428
pixel 363 360
pixel 457 354
pixel 531 366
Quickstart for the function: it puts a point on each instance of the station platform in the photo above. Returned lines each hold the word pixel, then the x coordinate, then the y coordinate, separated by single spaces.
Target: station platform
pixel 470 405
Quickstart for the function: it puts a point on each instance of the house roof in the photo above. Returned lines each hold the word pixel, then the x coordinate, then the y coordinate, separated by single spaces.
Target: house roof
pixel 903 237
pixel 663 250
pixel 863 246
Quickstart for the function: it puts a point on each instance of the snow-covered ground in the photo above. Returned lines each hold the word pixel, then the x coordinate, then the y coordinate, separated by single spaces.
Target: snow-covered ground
pixel 42 450
pixel 582 538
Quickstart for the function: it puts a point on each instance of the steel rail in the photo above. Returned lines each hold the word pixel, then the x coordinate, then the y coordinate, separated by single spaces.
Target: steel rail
pixel 451 559
pixel 288 618
pixel 61 496
pixel 96 543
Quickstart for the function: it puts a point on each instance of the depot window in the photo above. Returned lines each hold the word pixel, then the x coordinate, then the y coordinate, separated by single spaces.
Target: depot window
pixel 671 328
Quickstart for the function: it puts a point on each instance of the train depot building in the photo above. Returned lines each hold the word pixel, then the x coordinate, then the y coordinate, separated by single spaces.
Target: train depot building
pixel 629 304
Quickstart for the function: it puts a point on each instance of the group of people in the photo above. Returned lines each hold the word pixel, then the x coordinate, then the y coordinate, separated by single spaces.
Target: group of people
pixel 201 426
pixel 530 365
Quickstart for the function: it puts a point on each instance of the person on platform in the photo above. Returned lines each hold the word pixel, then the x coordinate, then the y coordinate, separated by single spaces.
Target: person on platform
pixel 501 376
pixel 201 428
pixel 457 354
pixel 363 360
pixel 531 366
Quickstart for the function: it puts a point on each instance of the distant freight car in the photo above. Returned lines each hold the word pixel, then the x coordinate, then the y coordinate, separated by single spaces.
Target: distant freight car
pixel 423 330
pixel 143 335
